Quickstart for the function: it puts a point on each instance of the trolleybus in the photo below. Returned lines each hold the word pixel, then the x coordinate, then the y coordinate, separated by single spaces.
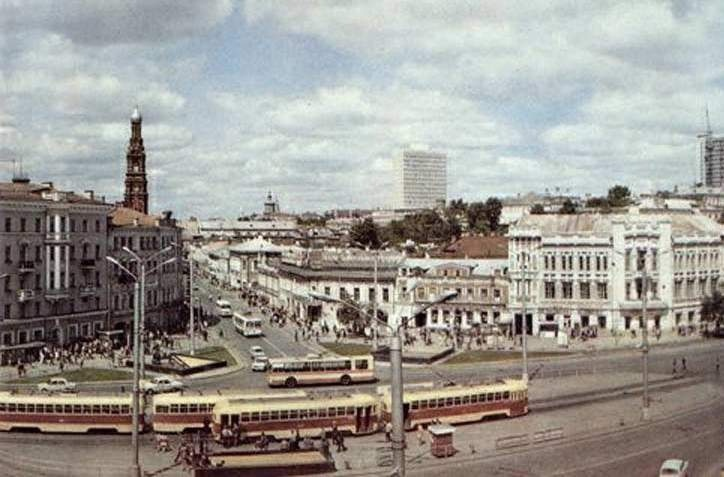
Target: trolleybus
pixel 346 370
pixel 247 326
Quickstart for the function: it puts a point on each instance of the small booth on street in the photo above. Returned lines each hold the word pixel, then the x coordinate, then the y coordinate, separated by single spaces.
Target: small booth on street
pixel 441 444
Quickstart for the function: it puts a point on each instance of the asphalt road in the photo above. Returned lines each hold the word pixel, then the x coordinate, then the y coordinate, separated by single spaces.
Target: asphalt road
pixel 696 436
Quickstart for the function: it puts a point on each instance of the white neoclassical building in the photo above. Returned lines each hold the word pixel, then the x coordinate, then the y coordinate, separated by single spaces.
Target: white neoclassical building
pixel 590 269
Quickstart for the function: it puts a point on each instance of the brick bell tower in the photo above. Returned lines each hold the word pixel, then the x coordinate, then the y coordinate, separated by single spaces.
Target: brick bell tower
pixel 136 196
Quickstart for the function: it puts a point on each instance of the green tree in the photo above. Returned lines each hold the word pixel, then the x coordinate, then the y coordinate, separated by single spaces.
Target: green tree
pixel 712 310
pixel 619 196
pixel 597 203
pixel 493 209
pixel 457 206
pixel 476 216
pixel 568 207
pixel 366 233
pixel 537 209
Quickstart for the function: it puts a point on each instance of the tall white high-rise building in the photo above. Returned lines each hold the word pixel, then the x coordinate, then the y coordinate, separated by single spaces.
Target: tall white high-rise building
pixel 421 179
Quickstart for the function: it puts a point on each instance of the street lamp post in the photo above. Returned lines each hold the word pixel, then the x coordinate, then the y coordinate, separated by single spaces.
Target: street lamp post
pixel 191 307
pixel 397 391
pixel 192 323
pixel 142 302
pixel 645 343
pixel 135 466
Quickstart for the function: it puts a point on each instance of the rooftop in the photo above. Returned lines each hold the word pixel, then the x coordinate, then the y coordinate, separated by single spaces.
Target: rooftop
pixel 601 224
pixel 475 246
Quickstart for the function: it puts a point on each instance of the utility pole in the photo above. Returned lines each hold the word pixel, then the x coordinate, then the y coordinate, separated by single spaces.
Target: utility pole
pixel 374 306
pixel 135 467
pixel 142 305
pixel 398 420
pixel 645 342
pixel 191 306
pixel 524 343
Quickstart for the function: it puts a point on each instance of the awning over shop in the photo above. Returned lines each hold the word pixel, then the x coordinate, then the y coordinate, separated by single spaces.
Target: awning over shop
pixel 30 345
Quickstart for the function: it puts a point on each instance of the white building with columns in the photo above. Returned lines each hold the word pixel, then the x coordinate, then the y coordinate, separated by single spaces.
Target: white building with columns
pixel 592 269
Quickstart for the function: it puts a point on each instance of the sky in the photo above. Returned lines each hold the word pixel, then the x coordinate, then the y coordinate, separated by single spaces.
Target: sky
pixel 313 99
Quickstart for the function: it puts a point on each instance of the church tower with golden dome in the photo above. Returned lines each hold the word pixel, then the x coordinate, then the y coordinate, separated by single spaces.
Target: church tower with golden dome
pixel 136 195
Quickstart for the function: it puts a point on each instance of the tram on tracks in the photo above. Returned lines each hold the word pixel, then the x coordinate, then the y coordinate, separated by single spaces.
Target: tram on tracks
pixel 66 413
pixel 354 414
pixel 184 412
pixel 459 403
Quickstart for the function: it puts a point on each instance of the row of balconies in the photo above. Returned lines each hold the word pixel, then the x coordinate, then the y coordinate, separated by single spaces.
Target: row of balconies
pixel 28 294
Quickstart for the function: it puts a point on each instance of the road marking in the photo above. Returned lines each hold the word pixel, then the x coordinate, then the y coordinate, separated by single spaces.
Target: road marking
pixel 266 340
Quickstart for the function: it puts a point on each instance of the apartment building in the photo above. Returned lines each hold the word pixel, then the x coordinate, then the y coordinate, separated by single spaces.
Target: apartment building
pixel 53 272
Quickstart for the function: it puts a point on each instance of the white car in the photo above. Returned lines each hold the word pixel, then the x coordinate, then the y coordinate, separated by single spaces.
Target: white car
pixel 256 351
pixel 161 384
pixel 674 468
pixel 261 363
pixel 57 385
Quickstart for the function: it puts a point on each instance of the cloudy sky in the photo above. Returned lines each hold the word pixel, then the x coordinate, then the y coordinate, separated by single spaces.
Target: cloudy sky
pixel 312 99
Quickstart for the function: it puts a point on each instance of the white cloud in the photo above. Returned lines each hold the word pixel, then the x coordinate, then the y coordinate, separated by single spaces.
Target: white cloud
pixel 115 21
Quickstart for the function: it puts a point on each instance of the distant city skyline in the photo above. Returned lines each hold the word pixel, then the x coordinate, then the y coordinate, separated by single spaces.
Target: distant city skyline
pixel 314 101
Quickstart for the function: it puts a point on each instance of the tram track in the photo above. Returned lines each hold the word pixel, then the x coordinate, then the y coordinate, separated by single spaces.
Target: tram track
pixel 544 405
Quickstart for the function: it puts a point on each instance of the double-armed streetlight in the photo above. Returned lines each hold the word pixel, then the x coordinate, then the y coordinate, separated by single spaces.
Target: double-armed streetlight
pixel 397 411
pixel 138 313
pixel 642 267
pixel 375 333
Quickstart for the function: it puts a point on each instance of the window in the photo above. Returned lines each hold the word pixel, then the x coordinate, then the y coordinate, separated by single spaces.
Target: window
pixel 585 290
pixel 22 224
pixel 550 290
pixel 8 254
pixel 38 225
pixel 385 295
pixel 8 224
pixel 567 290
pixel 85 226
pixel 602 290
pixel 98 225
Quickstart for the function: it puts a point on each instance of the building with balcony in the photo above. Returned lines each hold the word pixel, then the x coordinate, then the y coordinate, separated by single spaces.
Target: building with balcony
pixel 481 286
pixel 146 235
pixel 581 270
pixel 53 244
pixel 291 281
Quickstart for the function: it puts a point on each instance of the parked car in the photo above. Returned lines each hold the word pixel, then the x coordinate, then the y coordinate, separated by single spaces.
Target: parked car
pixel 256 351
pixel 161 384
pixel 261 363
pixel 674 468
pixel 57 385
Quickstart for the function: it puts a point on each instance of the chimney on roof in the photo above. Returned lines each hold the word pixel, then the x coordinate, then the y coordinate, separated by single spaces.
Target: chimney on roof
pixel 90 194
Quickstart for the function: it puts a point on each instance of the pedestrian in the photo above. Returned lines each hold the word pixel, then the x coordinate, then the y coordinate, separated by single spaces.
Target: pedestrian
pixel 388 431
pixel 673 368
pixel 340 443
pixel 324 446
pixel 420 436
pixel 683 364
pixel 717 365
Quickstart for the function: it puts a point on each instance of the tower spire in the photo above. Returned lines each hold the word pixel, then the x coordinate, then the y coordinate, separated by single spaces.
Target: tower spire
pixel 708 124
pixel 136 194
